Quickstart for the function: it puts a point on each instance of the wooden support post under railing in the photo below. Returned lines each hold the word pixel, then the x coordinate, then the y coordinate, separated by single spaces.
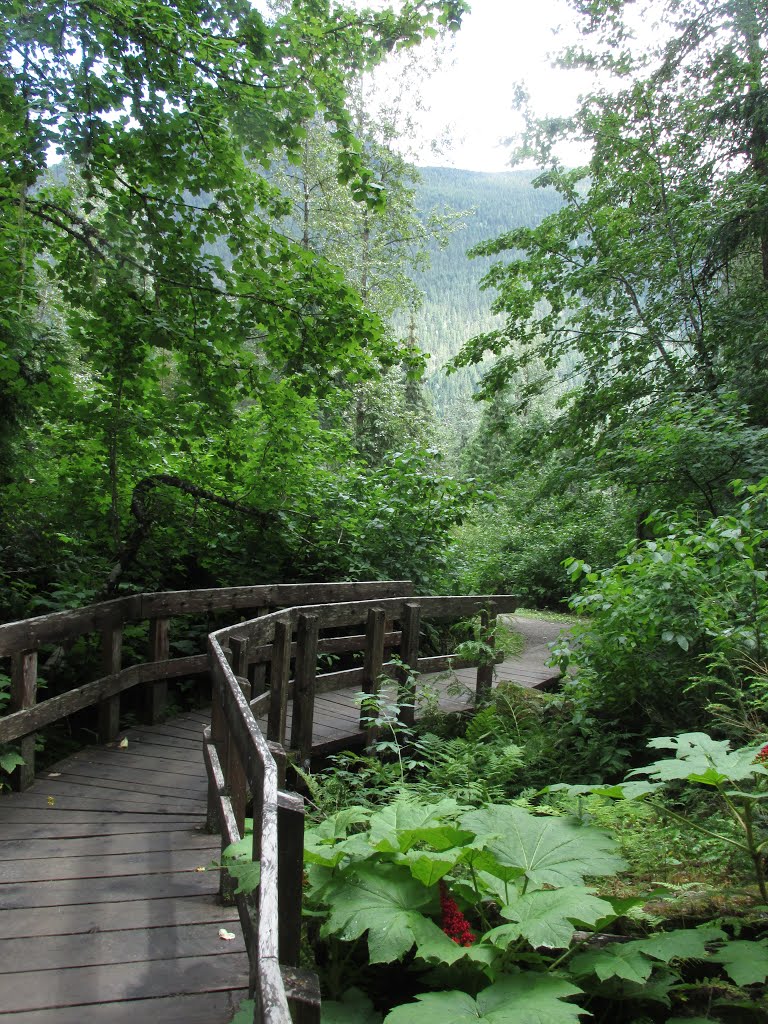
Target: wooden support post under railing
pixel 409 655
pixel 23 696
pixel 290 874
pixel 238 646
pixel 257 673
pixel 111 660
pixel 156 694
pixel 280 673
pixel 485 671
pixel 304 687
pixel 374 661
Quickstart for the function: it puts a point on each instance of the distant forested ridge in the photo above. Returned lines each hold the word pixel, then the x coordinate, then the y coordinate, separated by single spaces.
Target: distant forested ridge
pixel 454 307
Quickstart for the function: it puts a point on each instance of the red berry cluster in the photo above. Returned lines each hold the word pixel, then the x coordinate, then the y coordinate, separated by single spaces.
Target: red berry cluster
pixel 762 754
pixel 453 922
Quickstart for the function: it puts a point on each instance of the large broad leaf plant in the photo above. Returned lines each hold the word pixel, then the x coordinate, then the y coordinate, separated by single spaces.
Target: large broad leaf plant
pixel 394 881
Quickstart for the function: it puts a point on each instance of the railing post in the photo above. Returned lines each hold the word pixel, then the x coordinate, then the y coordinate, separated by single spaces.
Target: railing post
pixel 372 666
pixel 485 671
pixel 279 675
pixel 258 671
pixel 23 696
pixel 290 874
pixel 156 693
pixel 304 687
pixel 111 659
pixel 409 655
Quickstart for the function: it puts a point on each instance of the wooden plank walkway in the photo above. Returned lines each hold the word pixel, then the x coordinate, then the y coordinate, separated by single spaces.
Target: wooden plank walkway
pixel 104 917
pixel 337 714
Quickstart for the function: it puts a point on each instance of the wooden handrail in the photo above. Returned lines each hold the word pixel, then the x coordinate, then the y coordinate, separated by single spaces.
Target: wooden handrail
pixel 238 755
pixel 21 640
pixel 239 758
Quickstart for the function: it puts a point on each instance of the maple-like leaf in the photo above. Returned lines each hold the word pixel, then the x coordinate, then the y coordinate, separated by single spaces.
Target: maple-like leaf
pixel 622 960
pixel 680 944
pixel 545 917
pixel 429 866
pixel 403 823
pixel 523 999
pixel 745 962
pixel 699 758
pixel 384 900
pixel 548 850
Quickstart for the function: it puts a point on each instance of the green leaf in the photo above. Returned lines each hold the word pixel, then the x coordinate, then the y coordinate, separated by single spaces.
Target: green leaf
pixel 331 853
pixel 382 899
pixel 680 944
pixel 619 960
pixel 524 999
pixel 247 874
pixel 699 758
pixel 354 1007
pixel 545 917
pixel 403 823
pixel 10 760
pixel 429 867
pixel 551 851
pixel 745 962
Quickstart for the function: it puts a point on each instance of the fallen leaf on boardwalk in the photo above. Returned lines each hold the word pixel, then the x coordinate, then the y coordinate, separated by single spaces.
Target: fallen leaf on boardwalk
pixel 123 743
pixel 54 775
pixel 224 934
pixel 51 801
pixel 199 869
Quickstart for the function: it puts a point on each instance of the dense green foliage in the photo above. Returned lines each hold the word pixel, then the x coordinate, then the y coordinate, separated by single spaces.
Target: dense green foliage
pixel 210 317
pixel 176 368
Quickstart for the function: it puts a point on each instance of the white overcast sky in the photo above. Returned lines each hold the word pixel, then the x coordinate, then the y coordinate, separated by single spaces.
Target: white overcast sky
pixel 500 43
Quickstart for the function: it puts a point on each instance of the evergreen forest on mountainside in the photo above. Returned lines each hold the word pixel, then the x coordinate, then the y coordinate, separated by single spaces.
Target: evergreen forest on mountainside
pixel 244 340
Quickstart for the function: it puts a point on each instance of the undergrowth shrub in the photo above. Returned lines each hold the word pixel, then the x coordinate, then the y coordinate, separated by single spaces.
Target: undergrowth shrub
pixel 677 625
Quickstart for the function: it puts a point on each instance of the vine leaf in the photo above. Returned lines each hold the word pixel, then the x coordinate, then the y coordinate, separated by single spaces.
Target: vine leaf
pixel 545 917
pixel 549 850
pixel 523 999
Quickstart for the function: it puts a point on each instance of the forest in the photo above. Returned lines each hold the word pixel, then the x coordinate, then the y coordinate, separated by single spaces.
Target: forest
pixel 244 339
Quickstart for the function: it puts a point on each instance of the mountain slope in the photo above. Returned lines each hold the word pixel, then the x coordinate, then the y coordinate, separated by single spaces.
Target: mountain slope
pixel 454 307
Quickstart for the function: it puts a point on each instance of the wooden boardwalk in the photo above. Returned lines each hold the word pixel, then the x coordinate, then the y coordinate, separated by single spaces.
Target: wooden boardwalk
pixel 337 714
pixel 105 918
pixel 105 915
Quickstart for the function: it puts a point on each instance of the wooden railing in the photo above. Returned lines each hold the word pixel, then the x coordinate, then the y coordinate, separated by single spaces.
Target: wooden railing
pixel 21 641
pixel 243 762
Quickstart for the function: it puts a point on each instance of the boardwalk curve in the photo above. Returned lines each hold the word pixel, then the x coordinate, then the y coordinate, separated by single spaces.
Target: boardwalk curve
pixel 108 911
